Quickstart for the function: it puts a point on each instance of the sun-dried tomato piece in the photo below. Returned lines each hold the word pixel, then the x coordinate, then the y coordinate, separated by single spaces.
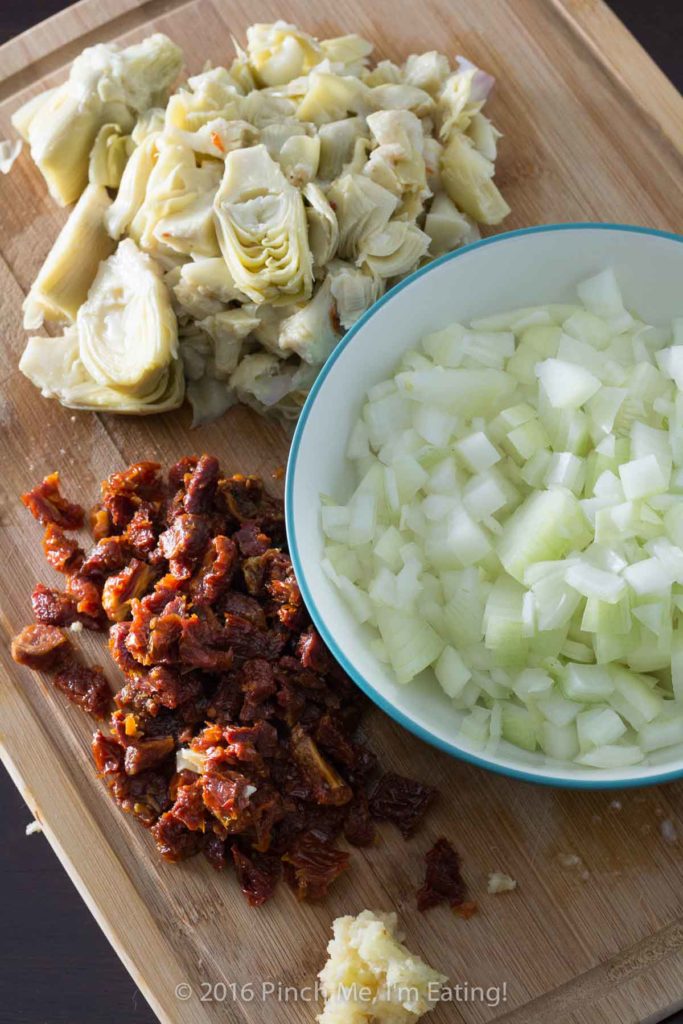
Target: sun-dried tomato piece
pixel 88 596
pixel 246 641
pixel 257 680
pixel 226 702
pixel 86 686
pixel 120 590
pixel 242 495
pixel 183 543
pixel 182 468
pixel 142 531
pixel 53 607
pixel 216 572
pixel 251 742
pixel 311 865
pixel 63 553
pixel 213 848
pixel 99 521
pixel 402 801
pixel 108 754
pixel 147 753
pixel 189 806
pixel 251 540
pixel 226 796
pixel 46 504
pixel 109 556
pixel 327 785
pixel 119 651
pixel 244 607
pixel 145 795
pixel 312 651
pixel 200 488
pixel 359 828
pixel 261 570
pixel 142 479
pixel 40 647
pixel 257 874
pixel 443 882
pixel 203 646
pixel 174 841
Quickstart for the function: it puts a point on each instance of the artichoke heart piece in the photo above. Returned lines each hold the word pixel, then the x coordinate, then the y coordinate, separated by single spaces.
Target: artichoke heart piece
pixel 279 52
pixel 331 97
pixel 395 250
pixel 426 71
pixel 467 177
pixel 447 227
pixel 362 208
pixel 263 381
pixel 401 97
pixel 177 211
pixel 338 141
pixel 353 289
pixel 54 365
pixel 462 95
pixel 299 157
pixel 127 330
pixel 108 156
pixel 131 193
pixel 64 279
pixel 227 330
pixel 348 53
pixel 105 86
pixel 397 163
pixel 262 230
pixel 323 228
pixel 204 287
pixel 312 332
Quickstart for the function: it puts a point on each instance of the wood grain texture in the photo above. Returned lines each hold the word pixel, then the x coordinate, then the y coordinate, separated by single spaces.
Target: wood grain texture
pixel 593 132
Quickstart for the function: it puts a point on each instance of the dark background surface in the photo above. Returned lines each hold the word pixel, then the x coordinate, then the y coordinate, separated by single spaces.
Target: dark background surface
pixel 56 967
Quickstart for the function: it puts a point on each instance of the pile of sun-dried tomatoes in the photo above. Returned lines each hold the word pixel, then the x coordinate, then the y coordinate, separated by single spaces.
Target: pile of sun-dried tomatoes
pixel 234 733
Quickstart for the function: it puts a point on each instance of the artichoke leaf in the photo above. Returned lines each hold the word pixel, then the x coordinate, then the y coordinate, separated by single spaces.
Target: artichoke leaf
pixel 177 211
pixel 348 55
pixel 262 230
pixel 65 278
pixel 400 96
pixel 426 71
pixel 299 157
pixel 279 52
pixel 264 381
pixel 385 72
pixel 323 228
pixel 127 330
pixel 467 176
pixel 150 122
pixel 312 332
pixel 485 136
pixel 227 330
pixel 131 193
pixel 353 289
pixel 331 97
pixel 395 250
pixel 362 208
pixel 216 138
pixel 204 287
pixel 462 95
pixel 447 227
pixel 109 156
pixel 209 398
pixel 397 163
pixel 337 145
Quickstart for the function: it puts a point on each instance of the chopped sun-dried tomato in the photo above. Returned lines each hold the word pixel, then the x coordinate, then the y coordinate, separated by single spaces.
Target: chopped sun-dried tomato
pixel 40 647
pixel 443 882
pixel 402 801
pixel 46 504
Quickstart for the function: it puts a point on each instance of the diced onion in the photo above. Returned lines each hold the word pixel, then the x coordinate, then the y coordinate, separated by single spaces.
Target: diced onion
pixel 517 528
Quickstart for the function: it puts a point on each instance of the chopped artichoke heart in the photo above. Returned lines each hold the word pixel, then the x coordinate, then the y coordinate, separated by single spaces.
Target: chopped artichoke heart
pixel 261 226
pixel 279 52
pixel 127 329
pixel 323 229
pixel 447 227
pixel 131 194
pixel 64 279
pixel 108 156
pixel 362 208
pixel 398 162
pixel 312 331
pixel 330 97
pixel 106 85
pixel 467 178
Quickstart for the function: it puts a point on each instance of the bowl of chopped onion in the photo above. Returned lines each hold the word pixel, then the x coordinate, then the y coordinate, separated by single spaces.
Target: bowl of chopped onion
pixel 485 504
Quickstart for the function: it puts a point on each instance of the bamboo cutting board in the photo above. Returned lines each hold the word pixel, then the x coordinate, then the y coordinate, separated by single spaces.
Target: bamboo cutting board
pixel 594 932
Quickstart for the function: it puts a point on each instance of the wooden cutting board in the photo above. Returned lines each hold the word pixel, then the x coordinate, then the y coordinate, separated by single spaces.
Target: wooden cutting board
pixel 594 932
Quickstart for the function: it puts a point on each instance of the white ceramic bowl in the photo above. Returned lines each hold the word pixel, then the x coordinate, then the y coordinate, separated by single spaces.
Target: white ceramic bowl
pixel 537 265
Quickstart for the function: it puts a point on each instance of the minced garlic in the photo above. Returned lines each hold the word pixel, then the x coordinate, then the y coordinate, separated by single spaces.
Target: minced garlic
pixel 371 976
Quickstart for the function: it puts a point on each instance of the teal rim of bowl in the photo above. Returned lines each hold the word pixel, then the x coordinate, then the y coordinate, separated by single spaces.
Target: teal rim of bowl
pixel 318 620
